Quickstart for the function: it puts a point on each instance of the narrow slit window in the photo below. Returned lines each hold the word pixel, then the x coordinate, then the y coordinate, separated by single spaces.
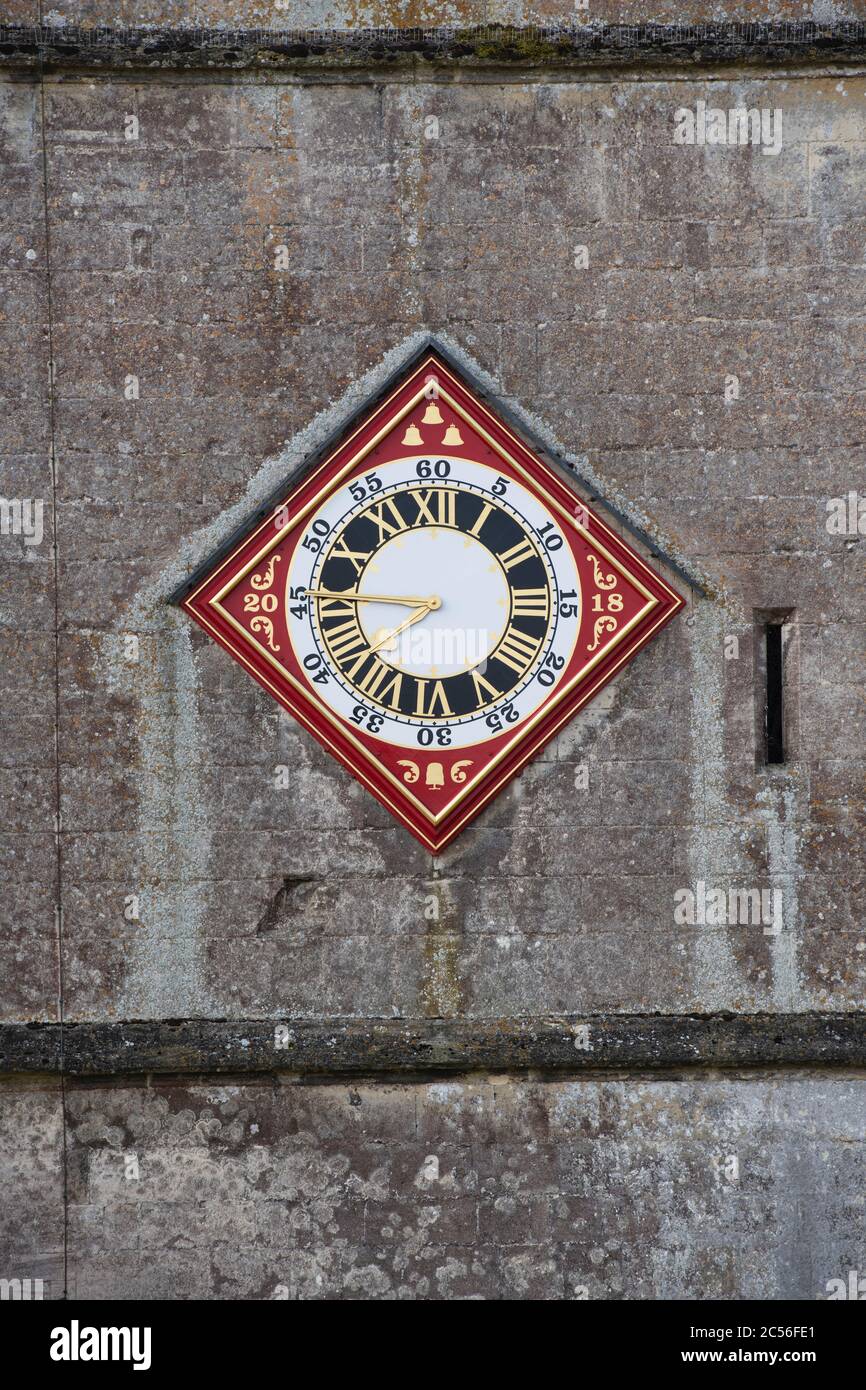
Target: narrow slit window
pixel 775 693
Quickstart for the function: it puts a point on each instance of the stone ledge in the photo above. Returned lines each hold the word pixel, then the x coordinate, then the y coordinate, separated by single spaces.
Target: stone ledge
pixel 484 46
pixel 404 1046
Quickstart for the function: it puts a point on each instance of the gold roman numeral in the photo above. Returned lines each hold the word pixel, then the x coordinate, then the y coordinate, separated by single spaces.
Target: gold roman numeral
pixel 530 603
pixel 524 550
pixel 426 706
pixel 517 650
pixel 480 520
pixel 336 608
pixel 484 691
pixel 377 686
pixel 344 639
pixel 445 503
pixel 377 516
pixel 342 552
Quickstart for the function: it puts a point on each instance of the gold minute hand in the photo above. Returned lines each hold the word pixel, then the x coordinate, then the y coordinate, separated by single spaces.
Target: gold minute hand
pixel 430 603
pixel 412 618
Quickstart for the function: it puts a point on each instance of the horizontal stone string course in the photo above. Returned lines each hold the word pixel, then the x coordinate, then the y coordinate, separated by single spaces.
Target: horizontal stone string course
pixel 526 46
pixel 368 1046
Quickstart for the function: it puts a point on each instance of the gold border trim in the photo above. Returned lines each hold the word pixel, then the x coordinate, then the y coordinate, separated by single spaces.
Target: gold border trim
pixel 317 500
pixel 432 359
pixel 525 728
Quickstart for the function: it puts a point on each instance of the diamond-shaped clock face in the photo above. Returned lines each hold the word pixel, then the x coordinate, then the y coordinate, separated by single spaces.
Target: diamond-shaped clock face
pixel 431 601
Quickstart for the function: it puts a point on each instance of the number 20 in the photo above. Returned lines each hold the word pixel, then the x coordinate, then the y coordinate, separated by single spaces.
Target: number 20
pixel 266 602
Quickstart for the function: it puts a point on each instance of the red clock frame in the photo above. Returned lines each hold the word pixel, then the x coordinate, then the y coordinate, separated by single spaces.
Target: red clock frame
pixel 434 792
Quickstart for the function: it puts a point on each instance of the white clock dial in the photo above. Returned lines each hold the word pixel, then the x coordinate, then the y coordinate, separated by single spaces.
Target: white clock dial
pixel 433 601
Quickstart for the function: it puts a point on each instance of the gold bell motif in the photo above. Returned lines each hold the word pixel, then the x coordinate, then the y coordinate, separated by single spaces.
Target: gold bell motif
pixel 413 435
pixel 452 435
pixel 432 415
pixel 435 776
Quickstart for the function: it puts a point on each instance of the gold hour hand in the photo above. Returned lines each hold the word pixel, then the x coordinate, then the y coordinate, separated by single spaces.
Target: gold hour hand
pixel 415 617
pixel 429 603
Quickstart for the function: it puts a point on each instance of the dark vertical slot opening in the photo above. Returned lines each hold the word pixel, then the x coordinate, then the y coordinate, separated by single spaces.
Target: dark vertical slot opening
pixel 775 694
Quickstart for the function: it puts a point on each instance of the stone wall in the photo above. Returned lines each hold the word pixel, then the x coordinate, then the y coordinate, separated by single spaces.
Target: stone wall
pixel 506 1188
pixel 152 867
